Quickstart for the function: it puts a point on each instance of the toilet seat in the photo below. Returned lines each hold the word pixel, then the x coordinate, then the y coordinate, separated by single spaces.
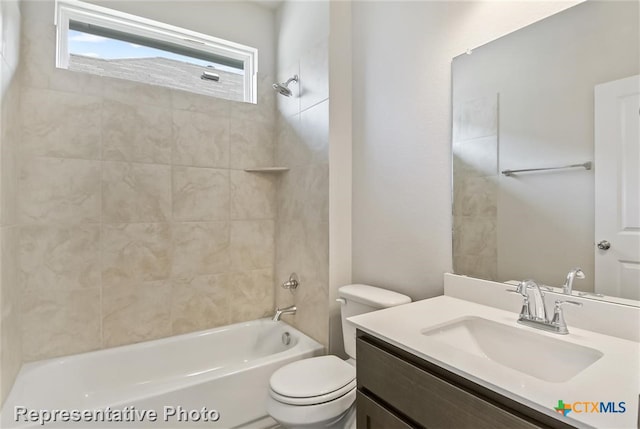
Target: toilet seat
pixel 312 381
pixel 314 400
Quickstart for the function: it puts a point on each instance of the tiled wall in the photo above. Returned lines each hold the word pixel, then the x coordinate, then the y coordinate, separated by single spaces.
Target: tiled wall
pixel 475 187
pixel 10 344
pixel 137 219
pixel 302 232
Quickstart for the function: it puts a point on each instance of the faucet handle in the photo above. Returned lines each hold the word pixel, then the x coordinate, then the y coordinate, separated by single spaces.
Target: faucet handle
pixel 560 302
pixel 292 283
pixel 558 316
pixel 521 289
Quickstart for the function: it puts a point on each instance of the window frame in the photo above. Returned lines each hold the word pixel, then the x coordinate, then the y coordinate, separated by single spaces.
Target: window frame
pixel 74 10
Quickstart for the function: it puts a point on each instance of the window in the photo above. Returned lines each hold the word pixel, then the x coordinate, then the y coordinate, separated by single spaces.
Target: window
pixel 106 42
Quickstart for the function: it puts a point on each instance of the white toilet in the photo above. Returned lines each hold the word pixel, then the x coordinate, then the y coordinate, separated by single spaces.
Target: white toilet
pixel 320 392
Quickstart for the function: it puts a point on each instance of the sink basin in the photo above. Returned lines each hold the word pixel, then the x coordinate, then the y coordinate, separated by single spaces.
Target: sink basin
pixel 531 353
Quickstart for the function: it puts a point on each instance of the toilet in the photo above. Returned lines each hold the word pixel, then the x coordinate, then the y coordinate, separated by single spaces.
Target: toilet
pixel 320 392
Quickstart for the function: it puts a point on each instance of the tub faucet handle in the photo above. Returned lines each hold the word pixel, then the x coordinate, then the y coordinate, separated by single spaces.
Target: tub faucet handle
pixel 291 284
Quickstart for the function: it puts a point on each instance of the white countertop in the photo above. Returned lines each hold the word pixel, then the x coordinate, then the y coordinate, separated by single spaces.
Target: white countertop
pixel 615 377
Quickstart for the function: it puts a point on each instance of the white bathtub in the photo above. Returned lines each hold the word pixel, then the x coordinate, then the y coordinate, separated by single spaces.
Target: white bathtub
pixel 225 369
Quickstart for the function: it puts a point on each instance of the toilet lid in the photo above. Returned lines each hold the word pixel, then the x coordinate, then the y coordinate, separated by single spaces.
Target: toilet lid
pixel 326 376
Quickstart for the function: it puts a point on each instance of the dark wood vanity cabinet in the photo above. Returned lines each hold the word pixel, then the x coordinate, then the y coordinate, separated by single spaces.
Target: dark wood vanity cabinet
pixel 397 389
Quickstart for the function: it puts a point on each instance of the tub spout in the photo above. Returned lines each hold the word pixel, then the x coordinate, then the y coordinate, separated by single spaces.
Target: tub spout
pixel 281 311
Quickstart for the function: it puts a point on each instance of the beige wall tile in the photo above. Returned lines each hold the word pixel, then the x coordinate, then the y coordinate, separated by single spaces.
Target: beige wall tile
pixel 251 295
pixel 136 192
pixel 60 124
pixel 200 248
pixel 9 290
pixel 136 93
pixel 251 144
pixel 482 267
pixel 302 231
pixel 304 193
pixel 313 259
pixel 200 139
pixel 37 47
pixel 59 190
pixel 136 226
pixel 477 196
pixel 200 194
pixel 200 302
pixel 193 102
pixel 266 95
pixel 10 311
pixel 290 242
pixel 252 244
pixel 135 311
pixel 303 247
pixel 140 251
pixel 136 132
pixel 58 257
pixel 475 236
pixel 10 138
pixel 37 43
pixel 304 138
pixel 10 350
pixel 57 323
pixel 312 315
pixel 290 149
pixel 314 131
pixel 264 110
pixel 253 196
pixel 72 81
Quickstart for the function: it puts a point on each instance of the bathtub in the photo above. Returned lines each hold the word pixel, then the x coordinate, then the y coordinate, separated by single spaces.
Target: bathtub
pixel 185 379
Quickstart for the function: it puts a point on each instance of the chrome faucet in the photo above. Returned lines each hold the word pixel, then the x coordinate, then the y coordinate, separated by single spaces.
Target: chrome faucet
pixel 536 315
pixel 576 273
pixel 539 308
pixel 281 311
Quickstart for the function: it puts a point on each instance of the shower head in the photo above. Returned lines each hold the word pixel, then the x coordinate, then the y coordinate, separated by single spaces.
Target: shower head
pixel 283 88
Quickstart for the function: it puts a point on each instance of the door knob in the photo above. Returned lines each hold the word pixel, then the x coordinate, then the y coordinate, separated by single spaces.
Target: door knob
pixel 604 245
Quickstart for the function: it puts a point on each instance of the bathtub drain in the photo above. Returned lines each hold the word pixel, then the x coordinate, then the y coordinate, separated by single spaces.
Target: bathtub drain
pixel 286 338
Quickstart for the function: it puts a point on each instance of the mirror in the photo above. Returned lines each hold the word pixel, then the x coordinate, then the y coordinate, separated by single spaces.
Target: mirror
pixel 559 97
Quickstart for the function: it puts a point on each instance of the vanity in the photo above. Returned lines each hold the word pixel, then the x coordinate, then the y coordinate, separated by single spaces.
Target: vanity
pixel 396 389
pixel 447 362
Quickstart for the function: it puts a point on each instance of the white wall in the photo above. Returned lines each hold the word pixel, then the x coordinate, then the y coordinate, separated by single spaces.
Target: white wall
pixel 402 129
pixel 237 21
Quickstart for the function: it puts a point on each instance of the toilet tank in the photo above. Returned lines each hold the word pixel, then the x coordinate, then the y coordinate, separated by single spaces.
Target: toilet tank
pixel 360 299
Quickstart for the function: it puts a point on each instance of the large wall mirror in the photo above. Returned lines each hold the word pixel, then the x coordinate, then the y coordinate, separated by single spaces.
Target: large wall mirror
pixel 546 157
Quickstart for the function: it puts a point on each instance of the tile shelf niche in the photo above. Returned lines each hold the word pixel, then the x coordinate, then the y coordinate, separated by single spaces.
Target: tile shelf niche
pixel 270 170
